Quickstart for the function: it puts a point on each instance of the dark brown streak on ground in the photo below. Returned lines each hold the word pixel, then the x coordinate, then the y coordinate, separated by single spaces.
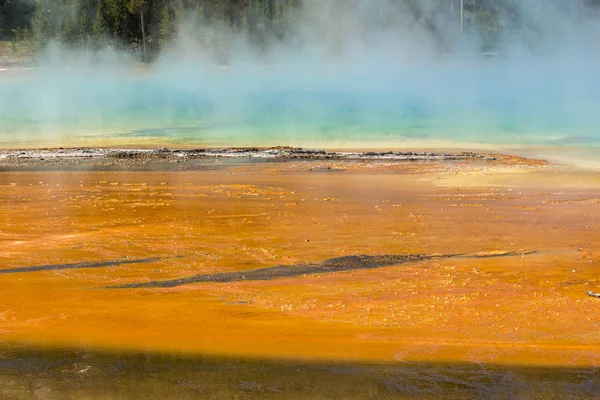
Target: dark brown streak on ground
pixel 82 265
pixel 338 264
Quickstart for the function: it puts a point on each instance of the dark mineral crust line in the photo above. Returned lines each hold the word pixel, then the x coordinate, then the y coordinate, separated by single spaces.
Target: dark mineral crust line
pixel 82 265
pixel 338 264
pixel 277 153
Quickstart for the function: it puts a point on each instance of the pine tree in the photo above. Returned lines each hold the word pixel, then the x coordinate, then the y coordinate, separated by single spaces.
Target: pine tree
pixel 134 7
pixel 259 24
pixel 166 28
pixel 16 38
pixel 99 26
pixel 40 25
pixel 199 14
pixel 114 13
pixel 278 18
pixel 245 22
pixel 69 32
pixel 291 11
pixel 83 31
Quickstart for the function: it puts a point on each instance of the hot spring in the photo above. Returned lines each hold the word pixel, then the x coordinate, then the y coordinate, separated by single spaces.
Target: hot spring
pixel 364 103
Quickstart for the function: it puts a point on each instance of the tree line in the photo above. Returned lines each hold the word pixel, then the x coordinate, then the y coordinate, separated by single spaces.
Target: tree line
pixel 143 26
pixel 146 27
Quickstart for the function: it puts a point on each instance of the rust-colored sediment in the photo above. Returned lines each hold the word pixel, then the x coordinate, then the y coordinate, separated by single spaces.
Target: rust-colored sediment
pixel 530 309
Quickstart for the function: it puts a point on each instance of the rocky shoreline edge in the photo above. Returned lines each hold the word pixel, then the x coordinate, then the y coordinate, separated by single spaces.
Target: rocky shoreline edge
pixel 266 153
pixel 119 159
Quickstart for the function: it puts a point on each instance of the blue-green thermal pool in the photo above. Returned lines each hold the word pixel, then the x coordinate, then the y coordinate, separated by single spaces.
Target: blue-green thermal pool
pixel 477 103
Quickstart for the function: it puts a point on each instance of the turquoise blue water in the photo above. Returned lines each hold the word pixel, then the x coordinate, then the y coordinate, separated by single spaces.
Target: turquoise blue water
pixel 549 103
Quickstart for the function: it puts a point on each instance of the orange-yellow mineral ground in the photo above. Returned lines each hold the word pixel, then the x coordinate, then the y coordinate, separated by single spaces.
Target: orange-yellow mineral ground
pixel 510 250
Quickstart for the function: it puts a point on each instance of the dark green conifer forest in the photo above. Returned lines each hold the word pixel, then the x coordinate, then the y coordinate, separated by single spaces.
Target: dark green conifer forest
pixel 146 28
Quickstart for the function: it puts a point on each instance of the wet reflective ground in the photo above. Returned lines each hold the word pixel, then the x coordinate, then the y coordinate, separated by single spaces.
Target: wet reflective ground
pixel 462 279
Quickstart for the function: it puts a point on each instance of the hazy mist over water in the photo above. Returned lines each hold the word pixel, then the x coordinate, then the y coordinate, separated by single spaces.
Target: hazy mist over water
pixel 331 83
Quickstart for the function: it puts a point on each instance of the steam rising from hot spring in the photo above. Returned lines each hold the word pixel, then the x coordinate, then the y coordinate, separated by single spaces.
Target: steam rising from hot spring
pixel 338 77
